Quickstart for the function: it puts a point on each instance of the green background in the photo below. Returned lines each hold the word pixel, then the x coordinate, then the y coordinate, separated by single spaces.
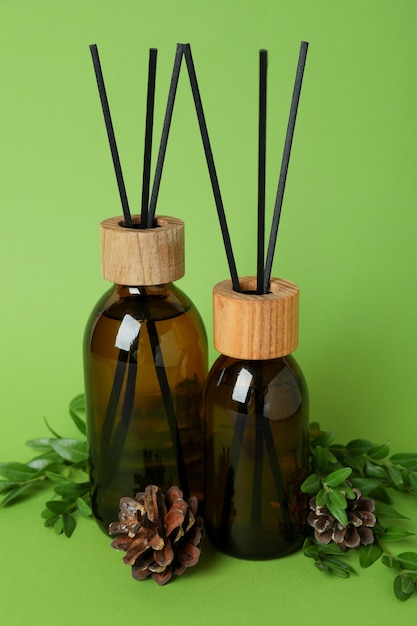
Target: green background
pixel 347 238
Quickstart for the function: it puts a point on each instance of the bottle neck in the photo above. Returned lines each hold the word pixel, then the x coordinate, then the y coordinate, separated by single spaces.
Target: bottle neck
pixel 143 290
pixel 155 302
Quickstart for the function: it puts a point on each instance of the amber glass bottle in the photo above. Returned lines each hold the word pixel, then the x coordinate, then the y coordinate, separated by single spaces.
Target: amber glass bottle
pixel 145 355
pixel 256 419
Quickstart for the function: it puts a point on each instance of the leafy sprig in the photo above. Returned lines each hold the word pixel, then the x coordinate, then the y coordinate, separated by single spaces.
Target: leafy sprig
pixel 61 466
pixel 369 467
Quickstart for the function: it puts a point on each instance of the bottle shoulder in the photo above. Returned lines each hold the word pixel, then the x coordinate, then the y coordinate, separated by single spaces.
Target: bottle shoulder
pixel 271 372
pixel 159 302
pixel 167 306
pixel 237 386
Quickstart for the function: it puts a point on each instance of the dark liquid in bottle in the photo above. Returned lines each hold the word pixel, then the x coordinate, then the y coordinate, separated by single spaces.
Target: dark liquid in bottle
pixel 144 404
pixel 256 416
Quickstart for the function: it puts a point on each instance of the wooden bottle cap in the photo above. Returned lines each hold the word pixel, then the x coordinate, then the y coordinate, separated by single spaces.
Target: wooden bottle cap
pixel 148 256
pixel 256 327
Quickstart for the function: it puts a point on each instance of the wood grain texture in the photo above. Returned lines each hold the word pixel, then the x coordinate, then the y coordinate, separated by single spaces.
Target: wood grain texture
pixel 141 257
pixel 248 326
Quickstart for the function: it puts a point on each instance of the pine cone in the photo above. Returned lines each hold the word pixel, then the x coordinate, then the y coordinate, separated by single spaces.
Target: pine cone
pixel 160 534
pixel 358 530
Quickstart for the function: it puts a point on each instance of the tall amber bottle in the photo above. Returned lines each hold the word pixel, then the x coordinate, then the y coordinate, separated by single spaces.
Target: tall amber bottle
pixel 256 419
pixel 145 357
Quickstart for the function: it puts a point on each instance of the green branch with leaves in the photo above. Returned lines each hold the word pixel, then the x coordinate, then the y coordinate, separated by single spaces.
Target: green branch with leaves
pixel 350 507
pixel 61 465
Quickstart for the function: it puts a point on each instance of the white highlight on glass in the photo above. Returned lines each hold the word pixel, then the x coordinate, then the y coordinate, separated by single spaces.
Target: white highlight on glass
pixel 128 331
pixel 241 389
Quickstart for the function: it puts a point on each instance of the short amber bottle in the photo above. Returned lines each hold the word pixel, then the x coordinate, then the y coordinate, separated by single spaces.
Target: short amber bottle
pixel 256 420
pixel 145 356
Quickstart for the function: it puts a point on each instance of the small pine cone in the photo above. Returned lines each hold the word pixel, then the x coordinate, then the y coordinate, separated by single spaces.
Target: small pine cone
pixel 361 520
pixel 160 534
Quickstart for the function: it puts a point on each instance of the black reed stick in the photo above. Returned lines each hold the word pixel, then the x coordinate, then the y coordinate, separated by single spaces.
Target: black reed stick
pixel 258 393
pixel 110 134
pixel 120 434
pixel 262 432
pixel 263 63
pixel 235 449
pixel 284 163
pixel 147 154
pixel 165 133
pixel 127 359
pixel 109 417
pixel 278 479
pixel 211 167
pixel 169 406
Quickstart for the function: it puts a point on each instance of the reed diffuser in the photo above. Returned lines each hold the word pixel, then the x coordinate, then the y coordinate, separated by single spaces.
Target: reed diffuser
pixel 145 347
pixel 256 400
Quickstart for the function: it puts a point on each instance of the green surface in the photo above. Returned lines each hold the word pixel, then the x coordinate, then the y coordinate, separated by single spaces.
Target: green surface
pixel 347 237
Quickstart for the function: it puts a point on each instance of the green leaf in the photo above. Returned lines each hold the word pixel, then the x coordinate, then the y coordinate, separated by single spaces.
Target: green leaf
pixel 51 521
pixel 398 589
pixel 83 508
pixel 388 512
pixel 337 567
pixel 7 485
pixel 405 459
pixel 408 586
pixel 338 512
pixel 18 472
pixel 43 443
pixel 67 474
pixel 312 484
pixel 324 439
pixel 365 485
pixel 396 477
pixel 77 413
pixel 39 464
pixel 71 490
pixel 379 451
pixel 331 548
pixel 408 561
pixel 59 526
pixel 313 549
pixel 413 480
pixel 349 493
pixel 57 506
pixel 70 449
pixel 374 471
pixel 395 533
pixel 77 475
pixel 47 455
pixel 322 457
pixel 338 476
pixel 359 446
pixel 46 513
pixel 68 523
pixel 78 403
pixel 380 493
pixel 337 498
pixel 56 478
pixel 350 460
pixel 369 554
pixel 310 545
pixel 390 561
pixel 14 493
pixel 322 498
